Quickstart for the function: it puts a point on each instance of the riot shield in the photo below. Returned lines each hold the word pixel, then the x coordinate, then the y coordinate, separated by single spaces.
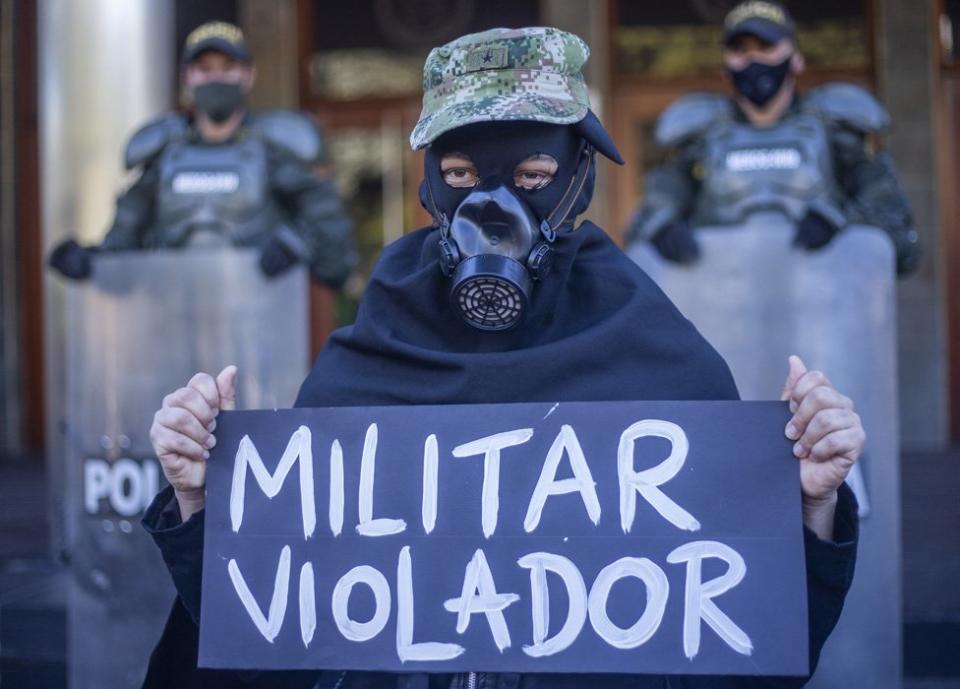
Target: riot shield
pixel 139 329
pixel 758 299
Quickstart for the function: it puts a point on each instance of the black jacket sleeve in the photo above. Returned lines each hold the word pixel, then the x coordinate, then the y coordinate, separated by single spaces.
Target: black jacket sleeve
pixel 669 192
pixel 830 567
pixel 173 663
pixel 181 546
pixel 133 220
pixel 874 195
pixel 322 225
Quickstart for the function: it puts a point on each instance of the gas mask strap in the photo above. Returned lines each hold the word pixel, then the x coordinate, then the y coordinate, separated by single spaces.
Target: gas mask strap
pixel 439 217
pixel 449 252
pixel 558 216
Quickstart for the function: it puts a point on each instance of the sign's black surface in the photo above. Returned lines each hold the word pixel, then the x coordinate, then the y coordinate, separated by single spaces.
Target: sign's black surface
pixel 642 537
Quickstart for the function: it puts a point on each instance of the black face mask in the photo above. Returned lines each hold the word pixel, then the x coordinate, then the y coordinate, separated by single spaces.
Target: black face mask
pixel 218 100
pixel 496 237
pixel 758 82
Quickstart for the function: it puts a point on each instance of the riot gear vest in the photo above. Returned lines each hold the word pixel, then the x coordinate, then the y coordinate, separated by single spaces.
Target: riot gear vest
pixel 785 168
pixel 214 194
pixel 219 194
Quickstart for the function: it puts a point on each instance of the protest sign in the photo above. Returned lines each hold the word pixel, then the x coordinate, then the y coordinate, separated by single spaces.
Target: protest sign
pixel 642 537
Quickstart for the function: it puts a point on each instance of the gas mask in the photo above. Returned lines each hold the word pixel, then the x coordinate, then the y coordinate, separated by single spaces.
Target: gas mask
pixel 497 230
pixel 759 82
pixel 218 100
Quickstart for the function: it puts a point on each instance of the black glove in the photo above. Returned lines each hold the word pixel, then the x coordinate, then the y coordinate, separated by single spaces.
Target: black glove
pixel 276 258
pixel 906 241
pixel 814 232
pixel 676 243
pixel 72 260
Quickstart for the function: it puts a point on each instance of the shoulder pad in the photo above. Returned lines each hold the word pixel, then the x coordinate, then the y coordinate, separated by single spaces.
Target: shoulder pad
pixel 689 116
pixel 153 137
pixel 850 105
pixel 292 131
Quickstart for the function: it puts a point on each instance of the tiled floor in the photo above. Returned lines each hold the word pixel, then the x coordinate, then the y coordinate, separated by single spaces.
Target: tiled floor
pixel 930 489
pixel 32 586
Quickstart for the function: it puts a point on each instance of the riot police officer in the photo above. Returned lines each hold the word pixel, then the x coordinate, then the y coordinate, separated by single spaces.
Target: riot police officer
pixel 807 156
pixel 222 175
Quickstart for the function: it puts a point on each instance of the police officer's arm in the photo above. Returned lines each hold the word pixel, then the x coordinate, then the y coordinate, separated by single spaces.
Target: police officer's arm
pixel 134 214
pixel 324 230
pixel 669 190
pixel 867 179
pixel 136 207
pixel 874 195
pixel 672 187
pixel 131 224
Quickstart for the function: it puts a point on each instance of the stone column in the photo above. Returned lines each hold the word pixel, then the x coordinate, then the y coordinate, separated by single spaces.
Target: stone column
pixel 105 68
pixel 10 381
pixel 271 32
pixel 906 61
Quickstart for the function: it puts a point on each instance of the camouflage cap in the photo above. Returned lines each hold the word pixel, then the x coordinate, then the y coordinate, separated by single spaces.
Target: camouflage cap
pixel 503 74
pixel 768 21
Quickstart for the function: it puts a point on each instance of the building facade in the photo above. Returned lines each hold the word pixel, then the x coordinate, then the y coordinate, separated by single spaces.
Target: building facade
pixel 357 67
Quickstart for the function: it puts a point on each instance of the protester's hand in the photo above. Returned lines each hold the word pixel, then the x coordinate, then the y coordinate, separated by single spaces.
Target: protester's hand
pixel 814 232
pixel 676 243
pixel 72 260
pixel 276 258
pixel 828 438
pixel 182 434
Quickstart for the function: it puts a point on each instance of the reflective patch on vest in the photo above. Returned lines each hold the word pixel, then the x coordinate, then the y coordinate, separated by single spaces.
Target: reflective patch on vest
pixel 206 182
pixel 754 159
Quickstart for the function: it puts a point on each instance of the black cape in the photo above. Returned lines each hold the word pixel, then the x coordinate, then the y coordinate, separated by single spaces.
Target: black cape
pixel 597 329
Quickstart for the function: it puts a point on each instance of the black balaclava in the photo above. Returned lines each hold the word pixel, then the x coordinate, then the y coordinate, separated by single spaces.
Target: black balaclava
pixel 759 82
pixel 218 100
pixel 497 236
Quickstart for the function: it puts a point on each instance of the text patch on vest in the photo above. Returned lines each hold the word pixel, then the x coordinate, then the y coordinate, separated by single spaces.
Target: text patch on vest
pixel 755 159
pixel 206 182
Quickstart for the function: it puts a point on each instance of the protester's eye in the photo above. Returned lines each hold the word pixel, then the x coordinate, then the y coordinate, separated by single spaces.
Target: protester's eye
pixel 461 177
pixel 535 172
pixel 459 171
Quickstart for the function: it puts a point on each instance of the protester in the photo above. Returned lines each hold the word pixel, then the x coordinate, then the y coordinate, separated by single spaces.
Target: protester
pixel 504 300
